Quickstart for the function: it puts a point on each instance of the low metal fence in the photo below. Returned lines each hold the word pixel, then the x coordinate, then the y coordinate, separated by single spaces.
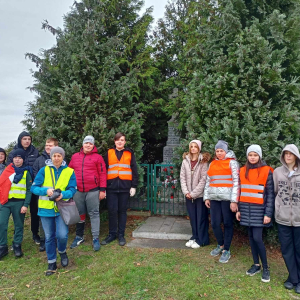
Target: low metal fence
pixel 161 192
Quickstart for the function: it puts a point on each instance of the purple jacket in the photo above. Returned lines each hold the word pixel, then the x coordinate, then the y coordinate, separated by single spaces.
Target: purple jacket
pixel 90 170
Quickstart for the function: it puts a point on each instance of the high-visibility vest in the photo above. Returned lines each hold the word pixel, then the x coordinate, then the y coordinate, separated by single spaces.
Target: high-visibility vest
pixel 220 173
pixel 61 184
pixel 252 189
pixel 118 168
pixel 18 190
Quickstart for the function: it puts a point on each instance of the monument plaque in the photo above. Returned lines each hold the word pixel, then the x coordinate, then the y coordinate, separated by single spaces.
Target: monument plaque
pixel 172 142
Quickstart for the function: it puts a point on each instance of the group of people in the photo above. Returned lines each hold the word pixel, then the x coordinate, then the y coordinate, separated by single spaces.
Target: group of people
pixel 41 181
pixel 250 194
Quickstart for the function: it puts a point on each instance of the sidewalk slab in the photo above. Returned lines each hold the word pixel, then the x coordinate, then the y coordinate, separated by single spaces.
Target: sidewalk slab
pixel 159 244
pixel 164 228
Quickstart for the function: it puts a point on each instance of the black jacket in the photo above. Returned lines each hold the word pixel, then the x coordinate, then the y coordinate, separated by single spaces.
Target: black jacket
pixel 253 214
pixel 31 152
pixel 117 185
pixel 40 163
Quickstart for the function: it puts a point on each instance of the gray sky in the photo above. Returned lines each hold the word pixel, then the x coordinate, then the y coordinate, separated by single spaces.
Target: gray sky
pixel 20 32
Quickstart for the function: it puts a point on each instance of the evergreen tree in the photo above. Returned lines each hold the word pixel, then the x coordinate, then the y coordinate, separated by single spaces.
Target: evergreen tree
pixel 245 85
pixel 98 79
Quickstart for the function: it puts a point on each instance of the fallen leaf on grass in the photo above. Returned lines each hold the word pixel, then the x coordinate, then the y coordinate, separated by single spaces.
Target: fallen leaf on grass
pixel 28 285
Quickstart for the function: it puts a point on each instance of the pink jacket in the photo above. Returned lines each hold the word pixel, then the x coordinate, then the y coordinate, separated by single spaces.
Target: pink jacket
pixel 90 170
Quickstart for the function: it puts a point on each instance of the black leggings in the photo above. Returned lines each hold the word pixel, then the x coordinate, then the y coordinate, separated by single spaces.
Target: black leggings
pixel 257 245
pixel 220 211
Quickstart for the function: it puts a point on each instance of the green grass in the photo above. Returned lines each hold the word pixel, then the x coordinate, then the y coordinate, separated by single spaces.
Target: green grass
pixel 129 273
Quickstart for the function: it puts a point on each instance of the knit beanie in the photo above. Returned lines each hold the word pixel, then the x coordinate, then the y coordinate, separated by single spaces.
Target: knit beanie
pixel 88 139
pixel 19 153
pixel 256 149
pixel 222 145
pixel 57 150
pixel 198 142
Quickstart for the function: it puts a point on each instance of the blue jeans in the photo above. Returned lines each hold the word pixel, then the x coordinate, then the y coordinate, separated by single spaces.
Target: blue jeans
pixel 55 227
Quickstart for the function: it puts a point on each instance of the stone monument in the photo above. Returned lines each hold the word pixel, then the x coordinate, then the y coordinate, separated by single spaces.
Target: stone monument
pixel 173 136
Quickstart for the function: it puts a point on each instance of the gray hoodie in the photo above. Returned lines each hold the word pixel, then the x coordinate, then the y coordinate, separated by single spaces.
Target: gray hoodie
pixel 287 190
pixel 231 194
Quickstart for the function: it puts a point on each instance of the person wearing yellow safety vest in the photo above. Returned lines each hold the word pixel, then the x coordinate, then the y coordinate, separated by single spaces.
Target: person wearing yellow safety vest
pixel 122 181
pixel 221 195
pixel 256 206
pixel 15 196
pixel 53 224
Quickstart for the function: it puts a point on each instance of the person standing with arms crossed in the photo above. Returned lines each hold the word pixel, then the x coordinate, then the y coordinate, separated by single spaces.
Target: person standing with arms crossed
pixel 122 181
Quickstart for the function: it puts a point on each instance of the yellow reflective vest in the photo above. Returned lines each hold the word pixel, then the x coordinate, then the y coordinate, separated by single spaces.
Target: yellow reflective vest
pixel 61 184
pixel 18 190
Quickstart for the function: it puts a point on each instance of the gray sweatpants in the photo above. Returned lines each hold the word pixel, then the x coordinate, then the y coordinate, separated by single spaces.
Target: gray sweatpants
pixel 89 203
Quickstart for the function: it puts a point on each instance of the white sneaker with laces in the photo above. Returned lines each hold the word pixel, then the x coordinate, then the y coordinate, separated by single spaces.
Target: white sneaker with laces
pixel 189 243
pixel 195 245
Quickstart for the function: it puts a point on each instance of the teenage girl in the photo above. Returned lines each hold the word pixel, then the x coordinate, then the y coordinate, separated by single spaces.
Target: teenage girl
pixel 221 195
pixel 192 178
pixel 256 206
pixel 287 212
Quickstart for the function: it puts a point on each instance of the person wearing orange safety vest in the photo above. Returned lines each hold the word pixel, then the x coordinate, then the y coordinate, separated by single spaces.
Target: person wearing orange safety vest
pixel 221 195
pixel 256 206
pixel 122 181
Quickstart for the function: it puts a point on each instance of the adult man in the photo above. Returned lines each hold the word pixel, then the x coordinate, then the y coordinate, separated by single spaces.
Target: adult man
pixel 90 172
pixel 38 164
pixel 31 154
pixel 15 196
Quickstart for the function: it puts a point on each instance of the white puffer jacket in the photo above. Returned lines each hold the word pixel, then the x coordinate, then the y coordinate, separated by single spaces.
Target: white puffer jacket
pixel 194 183
pixel 231 194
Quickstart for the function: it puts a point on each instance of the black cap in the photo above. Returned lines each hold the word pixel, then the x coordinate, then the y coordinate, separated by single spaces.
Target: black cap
pixel 19 153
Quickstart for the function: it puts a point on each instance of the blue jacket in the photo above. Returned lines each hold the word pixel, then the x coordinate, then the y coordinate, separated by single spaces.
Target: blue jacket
pixel 37 188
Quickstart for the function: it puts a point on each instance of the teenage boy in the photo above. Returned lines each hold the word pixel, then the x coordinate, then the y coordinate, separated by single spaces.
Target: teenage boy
pixel 31 154
pixel 15 196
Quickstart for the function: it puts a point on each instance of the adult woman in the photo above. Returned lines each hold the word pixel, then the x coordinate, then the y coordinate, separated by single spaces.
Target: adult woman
pixel 90 173
pixel 53 224
pixel 287 212
pixel 256 206
pixel 221 195
pixel 122 180
pixel 192 179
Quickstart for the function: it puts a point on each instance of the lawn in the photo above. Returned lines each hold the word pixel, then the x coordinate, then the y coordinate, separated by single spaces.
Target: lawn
pixel 130 273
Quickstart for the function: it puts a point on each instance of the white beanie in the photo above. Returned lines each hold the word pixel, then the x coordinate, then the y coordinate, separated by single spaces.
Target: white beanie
pixel 256 149
pixel 198 142
pixel 88 139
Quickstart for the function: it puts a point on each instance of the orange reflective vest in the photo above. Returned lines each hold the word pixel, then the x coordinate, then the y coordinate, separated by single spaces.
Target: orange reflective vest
pixel 252 190
pixel 118 168
pixel 220 173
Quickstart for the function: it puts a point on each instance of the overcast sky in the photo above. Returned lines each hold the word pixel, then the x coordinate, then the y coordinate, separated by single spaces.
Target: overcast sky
pixel 20 32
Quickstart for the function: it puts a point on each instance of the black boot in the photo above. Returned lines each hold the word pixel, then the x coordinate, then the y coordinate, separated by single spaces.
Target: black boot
pixel 3 251
pixel 51 269
pixel 17 250
pixel 64 259
pixel 42 246
pixel 108 239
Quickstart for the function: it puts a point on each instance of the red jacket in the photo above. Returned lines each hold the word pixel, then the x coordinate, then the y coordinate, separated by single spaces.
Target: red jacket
pixel 90 170
pixel 5 183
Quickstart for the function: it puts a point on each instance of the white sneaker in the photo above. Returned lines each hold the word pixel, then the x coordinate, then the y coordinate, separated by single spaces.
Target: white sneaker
pixel 195 245
pixel 189 243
